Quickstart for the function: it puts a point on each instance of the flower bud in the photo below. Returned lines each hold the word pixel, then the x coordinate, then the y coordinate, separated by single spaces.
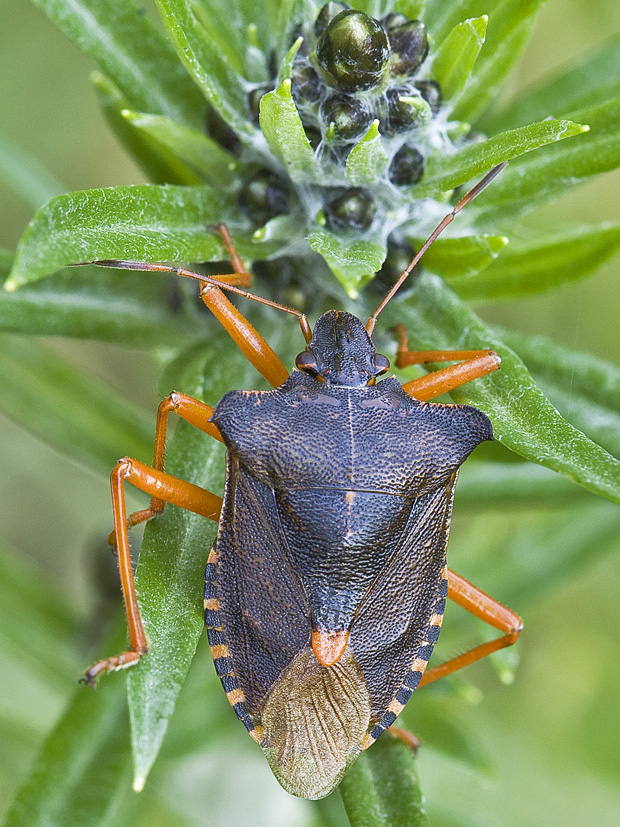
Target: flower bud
pixel 263 196
pixel 350 117
pixel 353 52
pixel 352 209
pixel 408 45
pixel 407 167
pixel 327 14
pixel 431 92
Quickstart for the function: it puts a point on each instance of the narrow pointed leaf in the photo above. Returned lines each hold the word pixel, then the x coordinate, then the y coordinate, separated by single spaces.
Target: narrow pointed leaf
pixel 473 161
pixel 353 264
pixel 170 573
pixel 540 265
pixel 461 257
pixel 83 771
pixel 523 419
pixel 457 55
pixel 220 85
pixel 94 303
pixel 413 9
pixel 491 485
pixel 367 161
pixel 286 66
pixel 284 132
pixel 207 158
pixel 382 788
pixel 488 78
pixel 585 388
pixel 525 183
pixel 140 223
pixel 590 80
pixel 24 175
pixel 68 408
pixel 132 51
pixel 159 164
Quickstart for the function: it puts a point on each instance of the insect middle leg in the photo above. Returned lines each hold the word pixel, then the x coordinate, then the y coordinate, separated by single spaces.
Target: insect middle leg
pixel 468 596
pixel 472 364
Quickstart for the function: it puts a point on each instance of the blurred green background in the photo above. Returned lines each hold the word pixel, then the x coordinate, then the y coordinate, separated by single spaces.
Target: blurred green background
pixel 550 741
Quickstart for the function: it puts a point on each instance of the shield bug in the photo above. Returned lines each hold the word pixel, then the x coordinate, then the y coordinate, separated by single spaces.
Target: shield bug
pixel 326 585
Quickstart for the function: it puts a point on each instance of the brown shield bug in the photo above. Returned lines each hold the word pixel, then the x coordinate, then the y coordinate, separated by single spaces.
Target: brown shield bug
pixel 326 586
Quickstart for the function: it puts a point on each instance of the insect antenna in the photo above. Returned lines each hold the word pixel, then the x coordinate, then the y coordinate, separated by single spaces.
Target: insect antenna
pixel 448 219
pixel 233 282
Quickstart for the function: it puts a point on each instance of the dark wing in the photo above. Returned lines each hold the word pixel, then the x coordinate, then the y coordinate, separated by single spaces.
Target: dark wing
pixel 263 607
pixel 392 624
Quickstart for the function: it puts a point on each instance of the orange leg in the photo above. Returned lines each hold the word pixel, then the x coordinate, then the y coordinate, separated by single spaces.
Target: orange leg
pixel 477 363
pixel 192 411
pixel 246 337
pixel 487 609
pixel 161 487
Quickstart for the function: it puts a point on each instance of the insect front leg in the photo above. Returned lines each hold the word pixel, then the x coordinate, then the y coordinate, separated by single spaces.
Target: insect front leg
pixel 472 364
pixel 470 597
pixel 191 410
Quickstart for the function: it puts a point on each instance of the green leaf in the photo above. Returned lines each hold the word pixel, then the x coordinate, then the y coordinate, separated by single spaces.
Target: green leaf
pixel 170 573
pixel 367 161
pixel 544 264
pixel 82 772
pixel 463 256
pixel 140 223
pixel 585 388
pixel 68 408
pixel 158 163
pixel 286 66
pixel 457 54
pixel 285 134
pixel 94 303
pixel 491 485
pixel 588 81
pixel 446 173
pixel 221 86
pixel 353 264
pixel 533 178
pixel 509 25
pixel 25 176
pixel 382 789
pixel 493 66
pixel 132 51
pixel 38 629
pixel 523 419
pixel 205 156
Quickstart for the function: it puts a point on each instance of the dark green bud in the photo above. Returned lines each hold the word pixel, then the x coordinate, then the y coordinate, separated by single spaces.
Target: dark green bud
pixel 305 83
pixel 431 92
pixel 353 52
pixel 400 112
pixel 353 209
pixel 327 13
pixel 313 135
pixel 408 47
pixel 350 117
pixel 254 99
pixel 263 196
pixel 399 254
pixel 217 128
pixel 393 21
pixel 407 167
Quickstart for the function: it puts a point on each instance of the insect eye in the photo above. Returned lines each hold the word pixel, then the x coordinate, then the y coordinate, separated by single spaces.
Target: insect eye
pixel 382 364
pixel 305 361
